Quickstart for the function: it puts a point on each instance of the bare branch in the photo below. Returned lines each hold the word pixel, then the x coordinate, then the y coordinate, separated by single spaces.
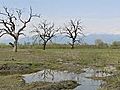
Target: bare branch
pixel 45 31
pixel 73 31
pixel 2 34
pixel 22 34
pixel 9 23
pixel 19 12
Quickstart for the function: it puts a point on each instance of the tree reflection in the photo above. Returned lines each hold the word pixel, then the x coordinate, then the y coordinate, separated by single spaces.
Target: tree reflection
pixel 47 74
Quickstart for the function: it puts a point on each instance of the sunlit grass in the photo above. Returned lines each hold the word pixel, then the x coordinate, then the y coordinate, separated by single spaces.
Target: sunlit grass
pixel 59 59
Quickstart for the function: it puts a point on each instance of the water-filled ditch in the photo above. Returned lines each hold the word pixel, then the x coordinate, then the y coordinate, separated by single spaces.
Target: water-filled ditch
pixel 56 76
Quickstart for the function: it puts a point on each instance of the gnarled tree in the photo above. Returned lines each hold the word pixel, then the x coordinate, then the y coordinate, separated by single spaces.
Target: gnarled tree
pixel 73 31
pixel 45 32
pixel 9 19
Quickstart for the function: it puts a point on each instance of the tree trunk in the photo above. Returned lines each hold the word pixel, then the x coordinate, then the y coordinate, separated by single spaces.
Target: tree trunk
pixel 44 46
pixel 15 45
pixel 72 45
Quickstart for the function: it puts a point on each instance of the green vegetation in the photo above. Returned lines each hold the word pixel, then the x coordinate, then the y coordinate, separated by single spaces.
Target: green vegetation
pixel 112 83
pixel 30 60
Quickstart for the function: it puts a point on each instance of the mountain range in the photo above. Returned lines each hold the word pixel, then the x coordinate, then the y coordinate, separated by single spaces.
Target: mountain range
pixel 89 39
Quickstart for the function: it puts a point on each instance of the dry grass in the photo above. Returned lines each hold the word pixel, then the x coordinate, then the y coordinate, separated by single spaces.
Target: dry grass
pixel 60 59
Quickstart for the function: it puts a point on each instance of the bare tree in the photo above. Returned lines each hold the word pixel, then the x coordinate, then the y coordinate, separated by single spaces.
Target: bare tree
pixel 9 20
pixel 45 32
pixel 73 31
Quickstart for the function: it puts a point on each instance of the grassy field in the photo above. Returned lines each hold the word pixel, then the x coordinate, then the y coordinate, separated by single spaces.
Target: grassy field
pixel 31 60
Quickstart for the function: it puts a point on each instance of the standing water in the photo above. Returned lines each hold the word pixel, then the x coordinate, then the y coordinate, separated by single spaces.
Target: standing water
pixel 56 76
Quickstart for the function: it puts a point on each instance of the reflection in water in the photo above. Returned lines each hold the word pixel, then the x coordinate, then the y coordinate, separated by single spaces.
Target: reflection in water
pixel 56 76
pixel 46 74
pixel 50 76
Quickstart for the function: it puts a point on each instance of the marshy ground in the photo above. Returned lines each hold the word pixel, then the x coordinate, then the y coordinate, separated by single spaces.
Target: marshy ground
pixel 14 65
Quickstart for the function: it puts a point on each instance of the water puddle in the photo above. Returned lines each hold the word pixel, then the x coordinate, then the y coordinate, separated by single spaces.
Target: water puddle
pixel 56 76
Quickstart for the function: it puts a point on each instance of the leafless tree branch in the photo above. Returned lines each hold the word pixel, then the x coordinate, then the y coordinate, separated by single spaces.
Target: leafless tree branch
pixel 45 31
pixel 10 26
pixel 73 30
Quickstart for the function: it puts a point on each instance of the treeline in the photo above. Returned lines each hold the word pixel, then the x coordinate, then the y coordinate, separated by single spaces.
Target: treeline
pixel 113 45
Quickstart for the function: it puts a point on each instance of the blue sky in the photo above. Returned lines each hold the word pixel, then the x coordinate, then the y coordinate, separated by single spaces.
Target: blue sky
pixel 98 16
pixel 85 8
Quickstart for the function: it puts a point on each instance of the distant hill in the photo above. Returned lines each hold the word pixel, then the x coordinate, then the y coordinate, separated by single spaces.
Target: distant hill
pixel 90 39
pixel 109 38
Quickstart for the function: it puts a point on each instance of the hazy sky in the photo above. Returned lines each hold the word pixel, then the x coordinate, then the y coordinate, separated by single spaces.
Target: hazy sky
pixel 98 16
